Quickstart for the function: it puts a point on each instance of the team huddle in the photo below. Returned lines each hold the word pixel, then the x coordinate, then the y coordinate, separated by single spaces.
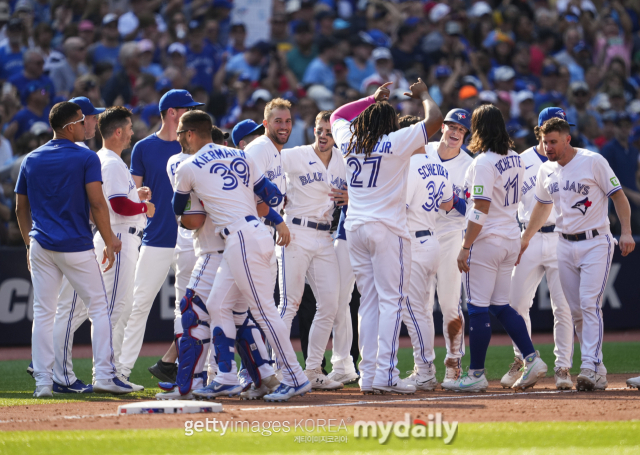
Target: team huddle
pixel 416 218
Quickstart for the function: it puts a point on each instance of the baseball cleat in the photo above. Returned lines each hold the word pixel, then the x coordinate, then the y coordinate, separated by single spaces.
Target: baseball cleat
pixel 474 382
pixel 321 382
pixel 426 381
pixel 533 370
pixel 344 378
pixel 513 374
pixel 30 369
pixel 164 371
pixel 76 387
pixel 370 391
pixel 402 386
pixel 211 375
pixel 284 392
pixel 244 379
pixel 216 389
pixel 634 382
pixel 43 391
pixel 174 394
pixel 113 385
pixel 452 371
pixel 125 379
pixel 563 379
pixel 269 385
pixel 590 380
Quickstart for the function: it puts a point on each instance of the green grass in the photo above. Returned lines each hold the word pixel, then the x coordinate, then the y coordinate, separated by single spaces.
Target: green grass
pixel 17 387
pixel 584 438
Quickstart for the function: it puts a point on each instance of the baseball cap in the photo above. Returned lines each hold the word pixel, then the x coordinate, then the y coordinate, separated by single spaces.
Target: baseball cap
pixel 579 86
pixel 443 71
pixel 550 70
pixel 504 96
pixel 322 96
pixel 552 112
pixel 176 99
pixel 39 128
pixel 5 12
pixel 504 73
pixel 479 9
pixel 261 94
pixel 623 116
pixel 243 129
pixel 109 18
pixel 467 91
pixel 438 12
pixel 177 47
pixel 86 106
pixel 86 25
pixel 609 116
pixel 488 96
pixel 222 4
pixel 23 5
pixel 377 38
pixel 460 116
pixel 524 95
pixel 146 45
pixel 381 53
pixel 15 25
pixel 163 83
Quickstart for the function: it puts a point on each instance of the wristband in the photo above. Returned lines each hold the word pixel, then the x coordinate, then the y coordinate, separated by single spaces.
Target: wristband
pixel 463 247
pixel 477 217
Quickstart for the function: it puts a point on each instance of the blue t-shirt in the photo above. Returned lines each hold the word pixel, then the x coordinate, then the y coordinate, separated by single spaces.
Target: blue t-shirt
pixel 356 75
pixel 54 177
pixel 238 65
pixel 27 118
pixel 149 160
pixel 318 72
pixel 20 82
pixel 102 53
pixel 206 64
pixel 623 161
pixel 10 63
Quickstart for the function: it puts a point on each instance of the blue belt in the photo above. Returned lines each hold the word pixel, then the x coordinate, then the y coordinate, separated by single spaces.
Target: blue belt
pixel 547 229
pixel 248 218
pixel 422 234
pixel 136 232
pixel 312 225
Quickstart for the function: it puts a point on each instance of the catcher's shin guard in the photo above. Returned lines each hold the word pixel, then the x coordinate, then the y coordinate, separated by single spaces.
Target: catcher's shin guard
pixel 249 340
pixel 190 348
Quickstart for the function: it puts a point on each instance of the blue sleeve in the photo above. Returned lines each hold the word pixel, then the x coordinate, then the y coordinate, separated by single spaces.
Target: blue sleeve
pixel 21 184
pixel 179 202
pixel 268 192
pixel 274 217
pixel 342 233
pixel 137 166
pixel 460 204
pixel 92 169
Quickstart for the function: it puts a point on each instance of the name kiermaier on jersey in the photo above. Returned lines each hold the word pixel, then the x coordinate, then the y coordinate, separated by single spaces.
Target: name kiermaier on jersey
pixel 216 154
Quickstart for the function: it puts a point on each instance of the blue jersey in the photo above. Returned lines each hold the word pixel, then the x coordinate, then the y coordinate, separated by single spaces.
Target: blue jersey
pixel 54 178
pixel 20 82
pixel 205 64
pixel 149 160
pixel 10 62
pixel 27 118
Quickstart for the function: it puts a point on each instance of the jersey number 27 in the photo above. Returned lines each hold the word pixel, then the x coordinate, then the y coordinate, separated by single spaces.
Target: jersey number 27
pixel 373 161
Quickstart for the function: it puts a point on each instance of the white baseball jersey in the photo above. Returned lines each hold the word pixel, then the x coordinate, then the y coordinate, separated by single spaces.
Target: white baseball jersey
pixel 579 191
pixel 457 168
pixel 267 157
pixel 497 179
pixel 378 183
pixel 223 179
pixel 309 183
pixel 428 187
pixel 532 162
pixel 117 182
pixel 185 236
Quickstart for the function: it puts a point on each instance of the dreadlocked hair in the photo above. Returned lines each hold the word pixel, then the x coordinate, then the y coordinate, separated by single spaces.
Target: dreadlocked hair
pixel 374 122
pixel 489 131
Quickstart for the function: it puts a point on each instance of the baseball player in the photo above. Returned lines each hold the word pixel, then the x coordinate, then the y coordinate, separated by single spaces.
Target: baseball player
pixel 578 183
pixel 428 192
pixel 225 180
pixel 490 249
pixel 377 157
pixel 315 179
pixel 149 168
pixel 540 259
pixel 450 231
pixel 49 190
pixel 127 215
pixel 245 132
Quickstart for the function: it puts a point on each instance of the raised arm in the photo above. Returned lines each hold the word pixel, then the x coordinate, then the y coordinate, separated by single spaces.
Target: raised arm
pixel 433 117
pixel 351 110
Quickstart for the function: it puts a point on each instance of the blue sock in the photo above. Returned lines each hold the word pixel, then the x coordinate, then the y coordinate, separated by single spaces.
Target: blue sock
pixel 479 335
pixel 515 327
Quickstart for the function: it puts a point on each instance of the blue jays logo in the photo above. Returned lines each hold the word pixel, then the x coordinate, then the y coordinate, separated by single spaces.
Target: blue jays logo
pixel 582 205
pixel 461 115
pixel 561 114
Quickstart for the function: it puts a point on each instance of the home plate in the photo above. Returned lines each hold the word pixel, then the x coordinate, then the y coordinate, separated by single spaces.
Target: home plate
pixel 169 407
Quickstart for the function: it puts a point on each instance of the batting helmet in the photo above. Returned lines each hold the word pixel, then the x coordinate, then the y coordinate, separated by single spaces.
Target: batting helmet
pixel 460 116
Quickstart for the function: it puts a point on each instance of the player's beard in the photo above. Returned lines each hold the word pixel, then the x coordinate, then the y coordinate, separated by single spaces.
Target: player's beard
pixel 273 135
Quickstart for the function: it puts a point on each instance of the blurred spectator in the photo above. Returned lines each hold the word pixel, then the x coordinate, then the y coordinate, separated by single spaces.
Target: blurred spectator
pixel 304 50
pixel 549 95
pixel 147 65
pixel 36 99
pixel 108 48
pixel 567 56
pixel 6 151
pixel 385 72
pixel 359 65
pixel 88 86
pixel 468 98
pixel 320 70
pixel 579 99
pixel 43 34
pixel 87 31
pixel 11 53
pixel 33 71
pixel 609 119
pixel 65 73
pixel 237 37
pixel 202 57
pixel 405 53
pixel 249 62
pixel 279 33
pixel 524 78
pixel 118 90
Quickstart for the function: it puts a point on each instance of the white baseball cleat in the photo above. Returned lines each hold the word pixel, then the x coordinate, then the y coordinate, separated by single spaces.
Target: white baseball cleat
pixel 216 389
pixel 344 378
pixel 474 382
pixel 319 381
pixel 284 392
pixel 402 386
pixel 452 371
pixel 533 370
pixel 634 382
pixel 563 379
pixel 43 391
pixel 590 380
pixel 269 385
pixel 514 373
pixel 125 379
pixel 425 381
pixel 113 385
pixel 174 394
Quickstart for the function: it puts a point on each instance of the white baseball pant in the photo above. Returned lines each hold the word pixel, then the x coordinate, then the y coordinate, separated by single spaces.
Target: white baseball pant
pixel 71 311
pixel 584 269
pixel 417 314
pixel 309 254
pixel 449 286
pixel 540 258
pixel 341 359
pixel 381 262
pixel 184 263
pixel 245 274
pixel 83 272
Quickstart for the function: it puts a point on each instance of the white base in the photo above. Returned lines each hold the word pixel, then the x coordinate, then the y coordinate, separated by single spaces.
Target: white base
pixel 169 407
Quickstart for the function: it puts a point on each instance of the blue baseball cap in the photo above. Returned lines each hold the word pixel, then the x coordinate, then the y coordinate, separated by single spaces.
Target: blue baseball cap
pixel 552 112
pixel 86 106
pixel 176 99
pixel 460 116
pixel 243 129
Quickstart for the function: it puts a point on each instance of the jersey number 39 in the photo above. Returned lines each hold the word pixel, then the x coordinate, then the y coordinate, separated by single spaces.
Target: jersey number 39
pixel 373 161
pixel 238 169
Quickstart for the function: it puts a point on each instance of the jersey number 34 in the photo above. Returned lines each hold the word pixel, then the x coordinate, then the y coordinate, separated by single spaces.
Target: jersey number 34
pixel 373 161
